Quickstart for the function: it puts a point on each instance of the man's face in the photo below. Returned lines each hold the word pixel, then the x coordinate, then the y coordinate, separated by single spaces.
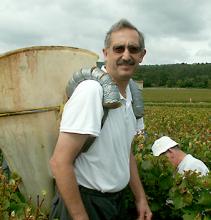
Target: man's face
pixel 123 55
pixel 171 155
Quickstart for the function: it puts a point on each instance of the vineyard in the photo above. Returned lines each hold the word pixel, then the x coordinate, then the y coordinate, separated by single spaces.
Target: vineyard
pixel 170 195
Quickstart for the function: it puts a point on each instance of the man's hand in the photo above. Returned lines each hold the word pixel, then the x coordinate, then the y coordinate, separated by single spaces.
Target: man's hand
pixel 144 212
pixel 82 216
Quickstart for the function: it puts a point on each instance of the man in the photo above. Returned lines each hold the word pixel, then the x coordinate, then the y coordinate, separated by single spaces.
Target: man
pixel 182 161
pixel 91 183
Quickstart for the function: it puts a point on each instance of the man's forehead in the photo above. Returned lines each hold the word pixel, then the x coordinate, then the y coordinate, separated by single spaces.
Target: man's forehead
pixel 123 36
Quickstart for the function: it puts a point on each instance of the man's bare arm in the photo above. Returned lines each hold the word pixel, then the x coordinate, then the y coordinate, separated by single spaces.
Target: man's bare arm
pixel 62 166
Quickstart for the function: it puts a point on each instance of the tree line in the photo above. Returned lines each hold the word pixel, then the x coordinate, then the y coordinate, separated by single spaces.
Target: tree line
pixel 175 75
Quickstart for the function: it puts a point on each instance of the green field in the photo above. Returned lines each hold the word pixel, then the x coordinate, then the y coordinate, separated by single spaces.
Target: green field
pixel 177 95
pixel 190 196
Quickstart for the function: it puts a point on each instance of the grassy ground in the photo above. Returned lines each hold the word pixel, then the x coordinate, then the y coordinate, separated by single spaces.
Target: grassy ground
pixel 176 95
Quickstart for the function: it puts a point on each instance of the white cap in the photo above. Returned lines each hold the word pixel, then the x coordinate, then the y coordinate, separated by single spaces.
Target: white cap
pixel 162 144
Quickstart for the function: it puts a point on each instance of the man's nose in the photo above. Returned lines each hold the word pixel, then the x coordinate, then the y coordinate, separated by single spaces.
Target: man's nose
pixel 126 54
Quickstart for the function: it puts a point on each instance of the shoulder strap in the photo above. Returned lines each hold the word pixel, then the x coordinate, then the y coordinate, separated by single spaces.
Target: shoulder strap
pixel 91 139
pixel 137 103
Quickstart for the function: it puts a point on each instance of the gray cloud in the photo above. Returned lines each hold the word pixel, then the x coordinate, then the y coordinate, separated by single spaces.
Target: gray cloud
pixel 173 18
pixel 175 31
pixel 203 53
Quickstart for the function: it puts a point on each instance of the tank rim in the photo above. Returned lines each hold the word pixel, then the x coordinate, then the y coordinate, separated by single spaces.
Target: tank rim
pixel 42 48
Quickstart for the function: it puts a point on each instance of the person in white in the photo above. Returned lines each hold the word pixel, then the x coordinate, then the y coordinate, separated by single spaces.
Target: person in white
pixel 91 183
pixel 178 158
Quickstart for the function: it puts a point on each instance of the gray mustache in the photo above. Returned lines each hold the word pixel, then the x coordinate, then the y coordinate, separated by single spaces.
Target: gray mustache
pixel 125 62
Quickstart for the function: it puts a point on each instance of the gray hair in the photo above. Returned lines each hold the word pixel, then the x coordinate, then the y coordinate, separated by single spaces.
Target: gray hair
pixel 121 24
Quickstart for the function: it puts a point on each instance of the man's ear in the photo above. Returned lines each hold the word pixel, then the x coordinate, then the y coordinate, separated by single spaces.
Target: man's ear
pixel 142 54
pixel 105 53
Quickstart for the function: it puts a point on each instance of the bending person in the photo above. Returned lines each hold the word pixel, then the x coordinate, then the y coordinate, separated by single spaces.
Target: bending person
pixel 178 158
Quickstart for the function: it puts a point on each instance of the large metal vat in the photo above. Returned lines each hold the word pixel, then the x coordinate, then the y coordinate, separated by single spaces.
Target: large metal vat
pixel 32 87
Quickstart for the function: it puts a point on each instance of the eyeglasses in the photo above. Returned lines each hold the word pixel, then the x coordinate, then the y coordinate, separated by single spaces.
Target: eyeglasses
pixel 131 48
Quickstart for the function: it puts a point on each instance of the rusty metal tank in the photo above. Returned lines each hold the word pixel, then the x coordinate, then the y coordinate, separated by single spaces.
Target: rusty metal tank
pixel 32 89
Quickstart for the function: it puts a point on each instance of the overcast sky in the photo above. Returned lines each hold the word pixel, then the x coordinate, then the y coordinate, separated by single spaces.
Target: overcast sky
pixel 175 31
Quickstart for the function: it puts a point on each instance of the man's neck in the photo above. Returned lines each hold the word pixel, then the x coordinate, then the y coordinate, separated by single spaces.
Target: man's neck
pixel 121 83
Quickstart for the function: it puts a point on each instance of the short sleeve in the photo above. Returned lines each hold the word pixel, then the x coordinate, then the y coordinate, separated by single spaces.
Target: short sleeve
pixel 83 112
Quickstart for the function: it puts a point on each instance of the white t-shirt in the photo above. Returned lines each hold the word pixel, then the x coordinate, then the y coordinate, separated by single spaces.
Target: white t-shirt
pixel 191 163
pixel 105 166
